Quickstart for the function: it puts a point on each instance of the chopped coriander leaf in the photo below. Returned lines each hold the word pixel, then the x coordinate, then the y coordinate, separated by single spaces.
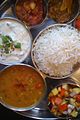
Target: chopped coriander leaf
pixel 8 44
pixel 8 37
pixel 4 39
pixel 18 45
pixel 6 50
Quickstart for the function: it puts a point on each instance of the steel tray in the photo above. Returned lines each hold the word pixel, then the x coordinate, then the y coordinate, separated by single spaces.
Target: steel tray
pixel 41 111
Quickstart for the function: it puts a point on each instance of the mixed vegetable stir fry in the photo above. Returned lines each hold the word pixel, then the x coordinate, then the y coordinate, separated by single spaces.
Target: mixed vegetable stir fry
pixel 7 45
pixel 64 100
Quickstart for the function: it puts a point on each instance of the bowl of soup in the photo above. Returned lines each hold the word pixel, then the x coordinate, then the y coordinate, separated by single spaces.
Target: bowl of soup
pixel 21 87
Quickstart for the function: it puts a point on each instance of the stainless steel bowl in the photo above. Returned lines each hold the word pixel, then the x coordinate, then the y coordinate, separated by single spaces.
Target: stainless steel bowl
pixel 27 32
pixel 12 107
pixel 75 11
pixel 67 82
pixel 32 26
pixel 76 67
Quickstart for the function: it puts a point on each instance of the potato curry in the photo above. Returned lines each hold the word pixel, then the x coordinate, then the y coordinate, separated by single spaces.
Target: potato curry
pixel 30 11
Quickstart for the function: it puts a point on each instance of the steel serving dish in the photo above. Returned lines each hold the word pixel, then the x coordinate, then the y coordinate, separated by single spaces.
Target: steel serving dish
pixel 32 26
pixel 75 84
pixel 41 111
pixel 75 13
pixel 16 67
pixel 75 67
pixel 16 21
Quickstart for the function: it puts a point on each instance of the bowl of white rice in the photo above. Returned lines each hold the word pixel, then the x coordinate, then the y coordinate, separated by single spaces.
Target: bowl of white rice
pixel 56 51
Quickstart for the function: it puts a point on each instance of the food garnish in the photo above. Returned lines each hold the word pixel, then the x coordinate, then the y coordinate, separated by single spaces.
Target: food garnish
pixel 8 45
pixel 21 86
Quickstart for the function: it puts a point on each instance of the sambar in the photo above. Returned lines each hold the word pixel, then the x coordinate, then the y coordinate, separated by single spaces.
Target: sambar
pixel 21 86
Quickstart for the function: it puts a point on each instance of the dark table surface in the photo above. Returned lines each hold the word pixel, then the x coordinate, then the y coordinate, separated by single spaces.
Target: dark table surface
pixel 9 114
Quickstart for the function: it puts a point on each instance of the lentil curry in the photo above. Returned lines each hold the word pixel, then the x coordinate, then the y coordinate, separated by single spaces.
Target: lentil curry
pixel 21 86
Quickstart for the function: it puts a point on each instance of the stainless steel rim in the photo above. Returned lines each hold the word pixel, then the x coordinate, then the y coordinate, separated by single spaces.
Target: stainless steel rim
pixel 69 83
pixel 24 108
pixel 37 25
pixel 32 54
pixel 27 29
pixel 75 16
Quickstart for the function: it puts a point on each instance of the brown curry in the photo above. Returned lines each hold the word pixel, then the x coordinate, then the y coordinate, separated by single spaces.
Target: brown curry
pixel 21 86
pixel 60 10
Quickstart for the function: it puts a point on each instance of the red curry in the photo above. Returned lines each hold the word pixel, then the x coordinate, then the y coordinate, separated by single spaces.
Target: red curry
pixel 30 11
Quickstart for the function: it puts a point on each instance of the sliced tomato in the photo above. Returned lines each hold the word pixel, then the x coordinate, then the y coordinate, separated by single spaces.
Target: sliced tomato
pixel 77 23
pixel 52 99
pixel 63 107
pixel 78 98
pixel 62 93
pixel 58 100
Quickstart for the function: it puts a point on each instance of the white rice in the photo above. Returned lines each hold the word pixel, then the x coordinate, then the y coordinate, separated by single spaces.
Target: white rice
pixel 57 50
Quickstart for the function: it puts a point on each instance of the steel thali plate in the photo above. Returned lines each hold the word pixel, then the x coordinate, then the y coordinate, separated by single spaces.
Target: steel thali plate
pixel 41 111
